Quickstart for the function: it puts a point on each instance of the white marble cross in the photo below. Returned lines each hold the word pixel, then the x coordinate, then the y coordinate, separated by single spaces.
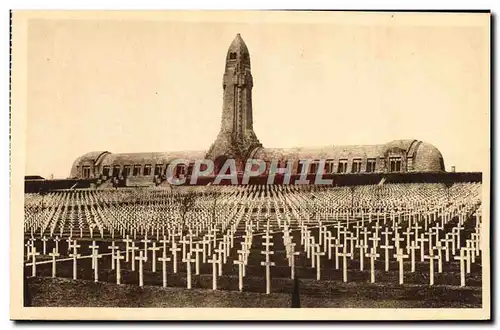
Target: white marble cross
pixel 362 248
pixel 439 248
pixel 117 258
pixel 153 250
pixel 421 239
pixel 214 261
pixel 372 255
pixel 93 247
pixel 462 258
pixel 127 241
pixel 164 260
pixel 33 255
pixel 112 247
pixel 318 253
pixel 344 256
pixel 95 257
pixel 132 250
pixel 220 251
pixel 141 258
pixel 400 256
pixel 431 258
pixel 174 249
pixel 267 264
pixel 44 241
pixel 54 254
pixel 188 262
pixel 387 248
pixel 145 241
pixel 241 265
pixel 413 247
pixel 197 251
pixel 75 256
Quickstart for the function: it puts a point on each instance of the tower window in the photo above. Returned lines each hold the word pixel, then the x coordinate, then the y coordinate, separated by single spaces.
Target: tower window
pixel 232 56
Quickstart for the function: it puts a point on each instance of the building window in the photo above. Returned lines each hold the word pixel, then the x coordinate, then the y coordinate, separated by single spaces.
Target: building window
pixel 127 170
pixel 356 165
pixel 86 172
pixel 300 167
pixel 342 166
pixel 313 168
pixel 232 56
pixel 370 165
pixel 395 163
pixel 147 170
pixel 116 170
pixel 105 170
pixel 181 170
pixel 158 169
pixel 329 166
pixel 137 170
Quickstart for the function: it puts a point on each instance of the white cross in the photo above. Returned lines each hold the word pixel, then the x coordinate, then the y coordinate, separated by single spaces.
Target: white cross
pixel 362 248
pixel 412 248
pixel 318 255
pixel 372 255
pixel 197 251
pixel 439 248
pixel 33 255
pixel 241 265
pixel 117 258
pixel 145 241
pixel 93 247
pixel 421 239
pixel 112 247
pixel 267 264
pixel 462 257
pixel 188 262
pixel 127 241
pixel 387 248
pixel 54 254
pixel 44 240
pixel 431 258
pixel 140 258
pixel 95 257
pixel 400 256
pixel 214 261
pixel 132 249
pixel 174 249
pixel 164 260
pixel 344 256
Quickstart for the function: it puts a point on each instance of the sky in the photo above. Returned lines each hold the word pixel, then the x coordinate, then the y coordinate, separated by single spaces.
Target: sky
pixel 154 83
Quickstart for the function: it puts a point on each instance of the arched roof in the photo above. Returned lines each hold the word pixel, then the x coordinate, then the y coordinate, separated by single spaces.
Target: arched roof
pixel 93 157
pixel 428 158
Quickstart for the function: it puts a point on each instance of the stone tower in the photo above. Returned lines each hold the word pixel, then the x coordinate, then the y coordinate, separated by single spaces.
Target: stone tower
pixel 236 138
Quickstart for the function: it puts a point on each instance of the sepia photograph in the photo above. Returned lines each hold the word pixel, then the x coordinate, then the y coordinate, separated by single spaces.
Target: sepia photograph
pixel 250 165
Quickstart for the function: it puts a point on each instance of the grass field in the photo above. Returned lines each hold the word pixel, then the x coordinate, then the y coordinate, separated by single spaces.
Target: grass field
pixel 60 292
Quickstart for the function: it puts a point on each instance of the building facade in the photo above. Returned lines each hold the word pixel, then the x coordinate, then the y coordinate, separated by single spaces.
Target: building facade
pixel 237 140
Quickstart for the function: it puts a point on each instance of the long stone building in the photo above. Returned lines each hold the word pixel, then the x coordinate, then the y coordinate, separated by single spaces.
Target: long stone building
pixel 237 140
